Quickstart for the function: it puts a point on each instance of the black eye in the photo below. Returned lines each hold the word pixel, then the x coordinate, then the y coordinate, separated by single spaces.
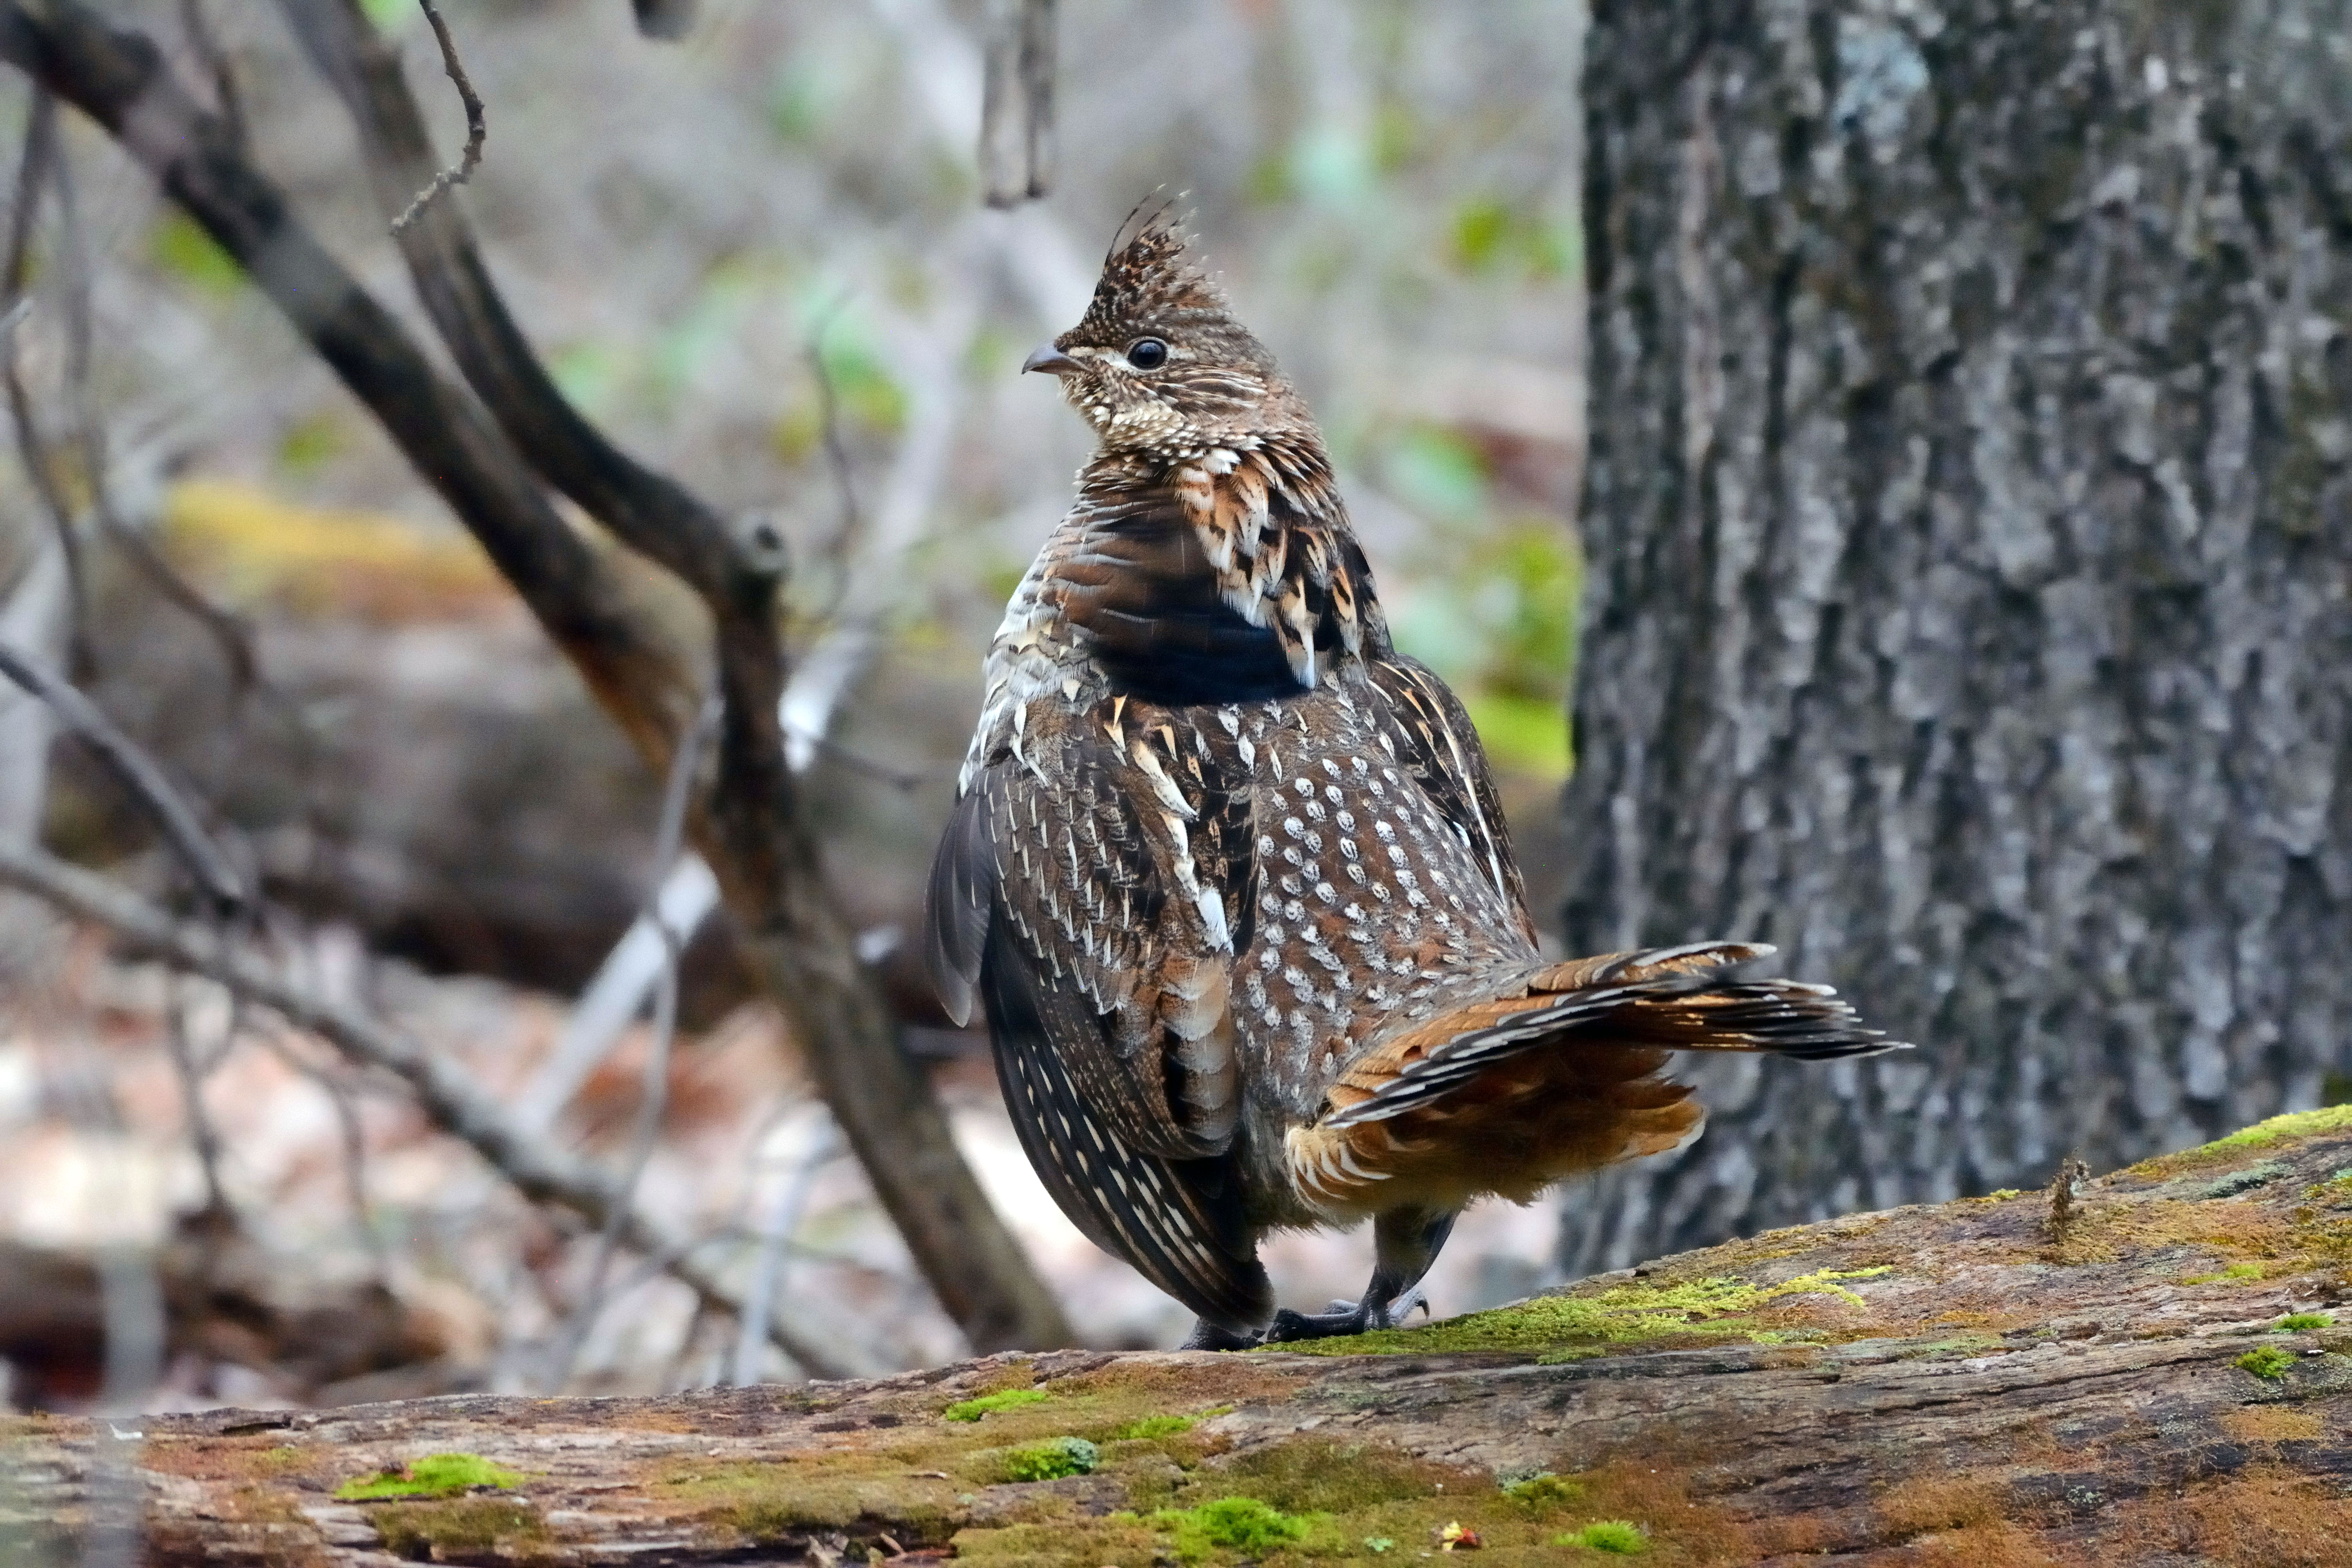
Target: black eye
pixel 1146 353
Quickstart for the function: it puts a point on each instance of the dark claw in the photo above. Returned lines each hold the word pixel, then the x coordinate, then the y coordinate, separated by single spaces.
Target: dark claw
pixel 1344 1318
pixel 1208 1336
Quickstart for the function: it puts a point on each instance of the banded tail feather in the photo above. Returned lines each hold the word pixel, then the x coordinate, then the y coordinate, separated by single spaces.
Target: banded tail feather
pixel 1567 1058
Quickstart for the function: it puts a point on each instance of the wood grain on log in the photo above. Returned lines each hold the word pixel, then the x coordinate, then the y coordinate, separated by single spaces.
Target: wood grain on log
pixel 2156 1378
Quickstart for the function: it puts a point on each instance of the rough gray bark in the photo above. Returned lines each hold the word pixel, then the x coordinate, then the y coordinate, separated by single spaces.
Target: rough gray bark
pixel 1970 594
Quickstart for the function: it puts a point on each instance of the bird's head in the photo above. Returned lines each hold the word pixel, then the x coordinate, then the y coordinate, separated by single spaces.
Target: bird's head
pixel 1158 365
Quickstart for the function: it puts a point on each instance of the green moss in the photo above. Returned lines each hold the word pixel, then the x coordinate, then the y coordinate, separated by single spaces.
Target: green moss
pixel 1317 1476
pixel 921 1508
pixel 1047 1461
pixel 761 1502
pixel 1004 1399
pixel 459 1528
pixel 1543 1490
pixel 1621 1536
pixel 1999 1194
pixel 2303 1323
pixel 2260 1135
pixel 1241 1524
pixel 1154 1426
pixel 1121 1540
pixel 1952 1344
pixel 435 1475
pixel 1575 1324
pixel 2235 1273
pixel 2267 1361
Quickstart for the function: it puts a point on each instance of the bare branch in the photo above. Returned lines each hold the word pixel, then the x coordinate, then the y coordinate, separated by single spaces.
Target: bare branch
pixel 775 1252
pixel 33 169
pixel 1016 114
pixel 477 129
pixel 235 639
pixel 446 1094
pixel 749 826
pixel 664 18
pixel 139 772
pixel 839 547
pixel 635 667
pixel 203 1136
pixel 354 1141
pixel 215 61
pixel 654 1100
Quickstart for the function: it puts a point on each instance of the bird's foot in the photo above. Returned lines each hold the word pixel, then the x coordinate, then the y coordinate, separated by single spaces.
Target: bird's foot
pixel 1345 1318
pixel 1208 1336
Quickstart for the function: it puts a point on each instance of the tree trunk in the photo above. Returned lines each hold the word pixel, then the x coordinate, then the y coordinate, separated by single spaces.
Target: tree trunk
pixel 2107 1378
pixel 1971 591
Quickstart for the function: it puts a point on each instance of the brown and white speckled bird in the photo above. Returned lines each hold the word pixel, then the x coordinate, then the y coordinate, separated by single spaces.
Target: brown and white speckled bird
pixel 1229 875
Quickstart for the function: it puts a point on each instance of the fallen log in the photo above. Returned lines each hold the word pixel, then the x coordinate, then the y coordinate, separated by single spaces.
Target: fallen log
pixel 2142 1369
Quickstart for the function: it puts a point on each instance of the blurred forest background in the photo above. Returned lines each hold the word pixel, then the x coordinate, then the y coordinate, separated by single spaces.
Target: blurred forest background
pixel 759 259
pixel 1949 579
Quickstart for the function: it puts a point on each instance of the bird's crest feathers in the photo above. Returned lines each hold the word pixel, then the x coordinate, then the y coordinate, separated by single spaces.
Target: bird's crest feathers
pixel 1149 279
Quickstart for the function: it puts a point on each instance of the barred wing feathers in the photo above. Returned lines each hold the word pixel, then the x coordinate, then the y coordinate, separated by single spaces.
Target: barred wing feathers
pixel 1089 889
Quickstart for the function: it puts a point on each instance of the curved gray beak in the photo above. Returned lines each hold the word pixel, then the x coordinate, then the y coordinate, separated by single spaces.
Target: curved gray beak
pixel 1050 358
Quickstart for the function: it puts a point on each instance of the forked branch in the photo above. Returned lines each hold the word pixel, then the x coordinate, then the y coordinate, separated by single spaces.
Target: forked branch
pixel 747 824
pixel 448 1094
pixel 478 128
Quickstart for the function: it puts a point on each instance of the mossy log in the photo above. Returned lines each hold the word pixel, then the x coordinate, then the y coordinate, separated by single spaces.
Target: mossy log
pixel 2140 1369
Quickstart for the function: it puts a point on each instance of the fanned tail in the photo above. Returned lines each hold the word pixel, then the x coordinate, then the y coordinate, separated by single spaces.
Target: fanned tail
pixel 1554 1072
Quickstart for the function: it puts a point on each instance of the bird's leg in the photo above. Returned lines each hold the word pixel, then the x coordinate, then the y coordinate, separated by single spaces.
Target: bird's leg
pixel 1405 1242
pixel 1208 1336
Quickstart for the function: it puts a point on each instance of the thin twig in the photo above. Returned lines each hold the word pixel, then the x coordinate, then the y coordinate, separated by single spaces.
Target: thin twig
pixel 654 1099
pixel 235 638
pixel 354 1140
pixel 478 128
pixel 139 772
pixel 775 1252
pixel 872 768
pixel 447 1095
pixel 33 170
pixel 215 58
pixel 203 1136
pixel 1016 114
pixel 753 827
pixel 674 1375
pixel 845 538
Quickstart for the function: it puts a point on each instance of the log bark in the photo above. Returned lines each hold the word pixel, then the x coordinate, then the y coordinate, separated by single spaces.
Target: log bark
pixel 2112 1377
pixel 1970 538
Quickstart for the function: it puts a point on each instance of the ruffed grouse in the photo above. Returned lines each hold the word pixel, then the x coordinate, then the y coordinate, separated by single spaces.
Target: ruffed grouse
pixel 1228 872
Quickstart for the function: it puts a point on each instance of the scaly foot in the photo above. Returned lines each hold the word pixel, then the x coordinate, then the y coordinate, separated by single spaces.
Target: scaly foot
pixel 1344 1318
pixel 1208 1336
